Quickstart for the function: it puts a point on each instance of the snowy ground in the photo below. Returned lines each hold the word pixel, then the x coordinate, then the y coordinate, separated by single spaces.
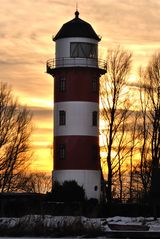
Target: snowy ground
pixel 56 221
pixel 63 221
pixel 154 225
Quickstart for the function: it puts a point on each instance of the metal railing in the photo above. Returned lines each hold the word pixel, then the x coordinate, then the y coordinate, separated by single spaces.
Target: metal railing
pixel 76 62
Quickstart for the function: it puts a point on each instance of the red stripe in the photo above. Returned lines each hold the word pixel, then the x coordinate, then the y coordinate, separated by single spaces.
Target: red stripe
pixel 79 153
pixel 78 85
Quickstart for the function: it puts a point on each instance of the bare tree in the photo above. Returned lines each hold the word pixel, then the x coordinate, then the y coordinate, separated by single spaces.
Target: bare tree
pixel 145 136
pixel 36 182
pixel 114 101
pixel 134 142
pixel 121 155
pixel 151 87
pixel 153 91
pixel 15 130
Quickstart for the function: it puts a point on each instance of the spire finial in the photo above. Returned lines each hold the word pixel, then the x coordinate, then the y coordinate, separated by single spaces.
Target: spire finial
pixel 76 12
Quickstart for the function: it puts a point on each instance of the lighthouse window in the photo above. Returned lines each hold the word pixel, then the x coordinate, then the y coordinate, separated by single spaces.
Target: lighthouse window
pixel 95 152
pixel 62 84
pixel 95 84
pixel 83 50
pixel 62 117
pixel 62 151
pixel 94 118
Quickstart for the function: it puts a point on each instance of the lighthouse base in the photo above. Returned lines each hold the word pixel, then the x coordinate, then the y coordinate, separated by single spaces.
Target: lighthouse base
pixel 89 179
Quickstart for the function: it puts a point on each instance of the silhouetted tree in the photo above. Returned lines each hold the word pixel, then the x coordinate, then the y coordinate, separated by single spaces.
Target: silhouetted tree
pixel 35 182
pixel 121 155
pixel 139 192
pixel 153 91
pixel 114 105
pixel 145 165
pixel 134 143
pixel 67 192
pixel 15 131
pixel 151 95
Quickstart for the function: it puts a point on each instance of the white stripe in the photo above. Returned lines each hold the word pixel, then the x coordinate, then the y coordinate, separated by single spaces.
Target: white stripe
pixel 78 118
pixel 89 179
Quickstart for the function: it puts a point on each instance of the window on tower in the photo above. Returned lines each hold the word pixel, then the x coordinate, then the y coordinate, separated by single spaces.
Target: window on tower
pixel 95 152
pixel 62 84
pixel 61 151
pixel 62 117
pixel 95 84
pixel 94 118
pixel 83 50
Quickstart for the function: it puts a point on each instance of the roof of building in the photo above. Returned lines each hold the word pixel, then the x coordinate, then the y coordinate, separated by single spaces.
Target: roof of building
pixel 77 28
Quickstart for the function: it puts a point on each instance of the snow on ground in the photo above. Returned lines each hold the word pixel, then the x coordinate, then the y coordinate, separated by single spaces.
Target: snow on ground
pixel 154 225
pixel 51 221
pixel 60 221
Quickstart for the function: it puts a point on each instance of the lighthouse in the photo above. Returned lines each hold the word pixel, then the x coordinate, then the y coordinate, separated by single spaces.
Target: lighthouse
pixel 76 70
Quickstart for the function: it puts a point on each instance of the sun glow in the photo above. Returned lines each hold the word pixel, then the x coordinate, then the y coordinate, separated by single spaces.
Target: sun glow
pixel 133 78
pixel 42 159
pixel 36 102
pixel 41 102
pixel 25 50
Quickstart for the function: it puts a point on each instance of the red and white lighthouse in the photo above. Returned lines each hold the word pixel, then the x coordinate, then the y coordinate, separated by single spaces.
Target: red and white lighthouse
pixel 76 70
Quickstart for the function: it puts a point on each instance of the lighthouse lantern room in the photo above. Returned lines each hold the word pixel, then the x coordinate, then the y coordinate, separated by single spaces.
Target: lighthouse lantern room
pixel 76 70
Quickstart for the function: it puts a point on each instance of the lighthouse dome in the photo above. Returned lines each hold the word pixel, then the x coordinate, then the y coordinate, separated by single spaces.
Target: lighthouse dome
pixel 76 28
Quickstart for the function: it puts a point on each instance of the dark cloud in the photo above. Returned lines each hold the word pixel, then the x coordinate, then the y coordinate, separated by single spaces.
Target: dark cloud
pixel 41 112
pixel 14 62
pixel 44 131
pixel 127 149
pixel 35 147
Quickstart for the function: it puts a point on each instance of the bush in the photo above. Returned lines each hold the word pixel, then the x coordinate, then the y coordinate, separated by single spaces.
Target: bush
pixel 69 191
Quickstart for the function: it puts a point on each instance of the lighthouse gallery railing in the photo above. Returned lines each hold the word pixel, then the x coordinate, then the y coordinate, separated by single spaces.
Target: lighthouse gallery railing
pixel 73 62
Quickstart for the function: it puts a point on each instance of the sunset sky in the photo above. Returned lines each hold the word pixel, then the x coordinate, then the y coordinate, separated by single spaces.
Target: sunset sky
pixel 26 29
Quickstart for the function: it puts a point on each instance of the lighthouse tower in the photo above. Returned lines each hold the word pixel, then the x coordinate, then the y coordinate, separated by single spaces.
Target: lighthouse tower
pixel 76 70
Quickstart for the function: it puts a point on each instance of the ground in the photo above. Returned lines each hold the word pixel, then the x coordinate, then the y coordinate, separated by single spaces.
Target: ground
pixel 64 226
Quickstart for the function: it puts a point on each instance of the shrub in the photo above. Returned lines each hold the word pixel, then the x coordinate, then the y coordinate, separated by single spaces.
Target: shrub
pixel 69 191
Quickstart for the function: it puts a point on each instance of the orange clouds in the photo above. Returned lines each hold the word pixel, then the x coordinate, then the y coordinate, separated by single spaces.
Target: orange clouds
pixel 26 29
